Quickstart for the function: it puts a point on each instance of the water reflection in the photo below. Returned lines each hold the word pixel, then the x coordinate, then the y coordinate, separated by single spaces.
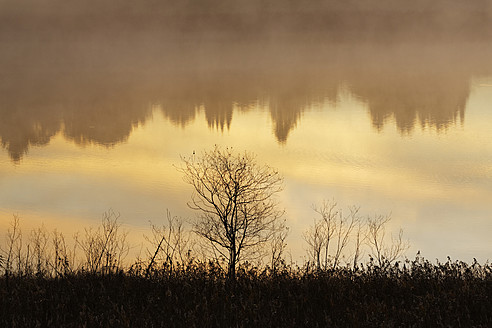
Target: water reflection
pixel 337 91
pixel 418 94
pixel 95 82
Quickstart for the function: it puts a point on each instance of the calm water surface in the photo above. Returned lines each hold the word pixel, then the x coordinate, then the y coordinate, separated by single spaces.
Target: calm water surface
pixel 92 121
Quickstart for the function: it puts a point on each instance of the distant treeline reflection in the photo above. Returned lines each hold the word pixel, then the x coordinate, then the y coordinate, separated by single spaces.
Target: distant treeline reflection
pixel 94 82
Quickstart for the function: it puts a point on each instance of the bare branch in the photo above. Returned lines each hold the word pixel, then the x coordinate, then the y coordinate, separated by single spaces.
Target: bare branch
pixel 235 197
pixel 384 254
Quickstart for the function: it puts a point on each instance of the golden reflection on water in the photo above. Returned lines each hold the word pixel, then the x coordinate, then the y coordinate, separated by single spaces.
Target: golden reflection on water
pixel 412 86
pixel 97 106
pixel 431 181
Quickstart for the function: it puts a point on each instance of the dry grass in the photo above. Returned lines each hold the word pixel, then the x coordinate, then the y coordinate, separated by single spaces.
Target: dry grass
pixel 416 293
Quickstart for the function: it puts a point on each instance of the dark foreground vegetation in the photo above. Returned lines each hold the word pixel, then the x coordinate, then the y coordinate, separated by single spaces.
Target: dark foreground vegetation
pixel 412 293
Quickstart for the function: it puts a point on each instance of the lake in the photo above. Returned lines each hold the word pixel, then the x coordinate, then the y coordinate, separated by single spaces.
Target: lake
pixel 98 105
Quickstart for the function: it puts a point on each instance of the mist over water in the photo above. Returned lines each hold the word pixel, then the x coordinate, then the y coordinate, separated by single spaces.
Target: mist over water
pixel 379 103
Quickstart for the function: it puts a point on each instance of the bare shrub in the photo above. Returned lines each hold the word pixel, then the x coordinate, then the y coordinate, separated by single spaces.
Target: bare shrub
pixel 278 245
pixel 329 236
pixel 360 236
pixel 63 258
pixel 106 247
pixel 39 259
pixel 171 244
pixel 12 254
pixel 381 251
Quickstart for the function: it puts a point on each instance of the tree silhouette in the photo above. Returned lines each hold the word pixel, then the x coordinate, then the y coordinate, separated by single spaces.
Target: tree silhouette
pixel 235 198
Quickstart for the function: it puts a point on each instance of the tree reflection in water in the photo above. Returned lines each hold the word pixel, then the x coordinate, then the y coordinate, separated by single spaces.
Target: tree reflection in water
pixel 94 82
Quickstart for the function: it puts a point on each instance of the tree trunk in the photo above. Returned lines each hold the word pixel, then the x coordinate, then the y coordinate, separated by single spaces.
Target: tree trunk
pixel 231 274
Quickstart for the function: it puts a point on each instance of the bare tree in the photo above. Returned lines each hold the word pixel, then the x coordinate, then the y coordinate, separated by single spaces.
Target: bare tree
pixel 235 197
pixel 334 228
pixel 384 254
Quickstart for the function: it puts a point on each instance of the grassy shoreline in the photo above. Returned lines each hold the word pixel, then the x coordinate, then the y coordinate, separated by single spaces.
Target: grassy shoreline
pixel 413 293
pixel 44 282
